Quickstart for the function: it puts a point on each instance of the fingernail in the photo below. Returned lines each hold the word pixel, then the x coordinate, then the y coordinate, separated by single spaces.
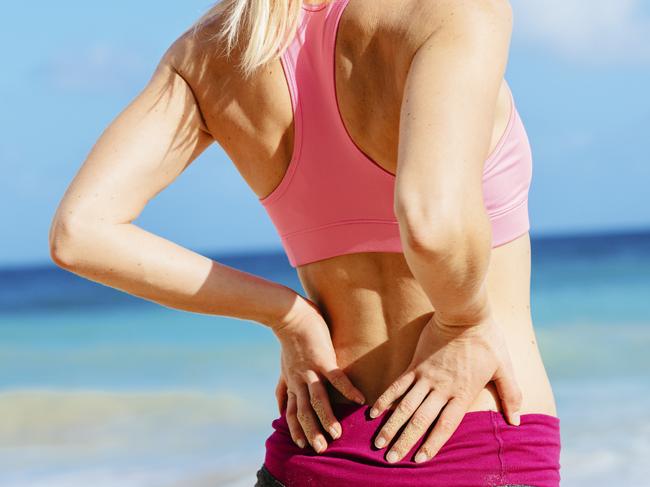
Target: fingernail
pixel 380 442
pixel 335 431
pixel 392 457
pixel 301 443
pixel 516 418
pixel 374 412
pixel 318 445
pixel 421 457
pixel 361 399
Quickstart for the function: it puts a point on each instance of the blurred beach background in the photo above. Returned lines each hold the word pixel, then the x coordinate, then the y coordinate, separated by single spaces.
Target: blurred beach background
pixel 101 388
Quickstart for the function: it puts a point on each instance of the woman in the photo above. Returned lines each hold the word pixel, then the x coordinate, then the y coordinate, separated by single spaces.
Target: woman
pixel 385 145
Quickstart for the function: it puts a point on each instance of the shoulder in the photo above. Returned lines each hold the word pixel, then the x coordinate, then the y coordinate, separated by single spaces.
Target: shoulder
pixel 417 20
pixel 196 50
pixel 198 56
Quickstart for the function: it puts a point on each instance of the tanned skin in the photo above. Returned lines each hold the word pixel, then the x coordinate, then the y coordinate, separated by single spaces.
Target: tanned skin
pixel 445 326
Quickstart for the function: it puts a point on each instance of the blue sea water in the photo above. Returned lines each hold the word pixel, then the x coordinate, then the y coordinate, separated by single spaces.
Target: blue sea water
pixel 101 388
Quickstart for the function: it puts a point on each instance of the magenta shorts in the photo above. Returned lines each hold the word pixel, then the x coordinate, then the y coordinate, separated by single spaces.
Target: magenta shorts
pixel 484 451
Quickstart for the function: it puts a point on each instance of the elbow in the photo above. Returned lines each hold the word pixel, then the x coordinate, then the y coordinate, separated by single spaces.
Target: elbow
pixel 64 238
pixel 436 232
pixel 427 233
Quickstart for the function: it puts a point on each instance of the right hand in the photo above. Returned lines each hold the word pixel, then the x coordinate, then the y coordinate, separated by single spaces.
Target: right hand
pixel 307 358
pixel 452 363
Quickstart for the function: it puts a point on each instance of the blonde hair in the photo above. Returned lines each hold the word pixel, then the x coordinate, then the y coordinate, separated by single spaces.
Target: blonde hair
pixel 259 29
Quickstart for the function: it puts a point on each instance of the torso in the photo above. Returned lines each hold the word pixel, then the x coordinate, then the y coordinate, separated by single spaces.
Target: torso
pixel 374 306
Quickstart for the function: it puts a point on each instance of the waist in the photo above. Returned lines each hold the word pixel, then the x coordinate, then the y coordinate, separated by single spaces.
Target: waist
pixel 372 367
pixel 484 451
pixel 376 309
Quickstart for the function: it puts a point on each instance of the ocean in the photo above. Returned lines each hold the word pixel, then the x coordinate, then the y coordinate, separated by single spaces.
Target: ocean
pixel 101 388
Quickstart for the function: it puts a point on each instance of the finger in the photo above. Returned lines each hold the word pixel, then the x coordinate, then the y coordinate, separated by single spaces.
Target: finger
pixel 418 425
pixel 297 435
pixel 281 394
pixel 402 413
pixel 308 421
pixel 344 385
pixel 448 421
pixel 321 403
pixel 394 391
pixel 510 393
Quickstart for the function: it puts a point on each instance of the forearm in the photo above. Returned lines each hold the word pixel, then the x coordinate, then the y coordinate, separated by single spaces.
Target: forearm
pixel 449 257
pixel 131 259
pixel 446 127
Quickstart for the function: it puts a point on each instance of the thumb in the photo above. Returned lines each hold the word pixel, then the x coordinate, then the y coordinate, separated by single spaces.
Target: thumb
pixel 510 394
pixel 281 394
pixel 343 384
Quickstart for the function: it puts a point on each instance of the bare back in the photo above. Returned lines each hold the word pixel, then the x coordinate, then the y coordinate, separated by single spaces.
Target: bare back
pixel 374 306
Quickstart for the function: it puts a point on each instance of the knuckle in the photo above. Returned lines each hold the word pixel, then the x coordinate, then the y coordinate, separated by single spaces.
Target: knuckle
pixel 302 374
pixel 319 408
pixel 308 431
pixel 394 388
pixel 334 375
pixel 382 402
pixel 392 425
pixel 463 396
pixel 316 389
pixel 445 382
pixel 405 406
pixel 463 390
pixel 445 425
pixel 303 419
pixel 337 379
pixel 419 421
pixel 428 377
pixel 342 386
pixel 314 399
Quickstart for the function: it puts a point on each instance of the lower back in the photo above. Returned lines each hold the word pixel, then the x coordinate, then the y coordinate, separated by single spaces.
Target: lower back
pixel 376 309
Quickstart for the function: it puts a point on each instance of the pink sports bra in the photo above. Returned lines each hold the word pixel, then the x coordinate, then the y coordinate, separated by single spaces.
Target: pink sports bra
pixel 334 199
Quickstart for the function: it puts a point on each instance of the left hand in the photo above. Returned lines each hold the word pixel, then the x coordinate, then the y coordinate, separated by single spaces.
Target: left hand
pixel 450 366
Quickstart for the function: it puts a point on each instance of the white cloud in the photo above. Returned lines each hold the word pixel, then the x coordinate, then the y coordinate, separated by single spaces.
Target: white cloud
pixel 591 31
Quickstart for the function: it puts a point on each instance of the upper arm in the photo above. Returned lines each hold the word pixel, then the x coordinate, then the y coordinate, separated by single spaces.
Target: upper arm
pixel 155 137
pixel 448 110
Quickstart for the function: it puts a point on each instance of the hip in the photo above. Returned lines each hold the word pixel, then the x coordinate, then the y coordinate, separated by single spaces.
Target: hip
pixel 484 451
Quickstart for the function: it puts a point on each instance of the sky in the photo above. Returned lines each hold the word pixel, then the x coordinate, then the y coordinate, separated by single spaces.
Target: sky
pixel 580 73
